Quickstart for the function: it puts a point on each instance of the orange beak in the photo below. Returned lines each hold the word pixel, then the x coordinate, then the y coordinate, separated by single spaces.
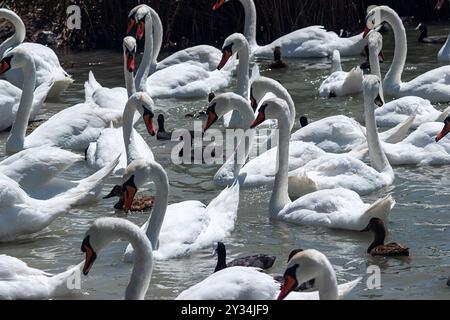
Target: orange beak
pixel 218 4
pixel 4 66
pixel 131 64
pixel 289 285
pixel 225 57
pixel 148 120
pixel 131 24
pixel 130 192
pixel 259 119
pixel 381 56
pixel 366 31
pixel 444 132
pixel 140 30
pixel 212 118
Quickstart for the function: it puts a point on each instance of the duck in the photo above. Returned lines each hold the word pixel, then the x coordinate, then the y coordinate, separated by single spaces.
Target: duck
pixel 187 79
pixel 340 83
pixel 277 63
pixel 18 281
pixel 72 128
pixel 378 247
pixel 141 203
pixel 262 261
pixel 49 70
pixel 247 283
pixel 424 38
pixel 106 230
pixel 433 85
pixel 162 134
pixel 309 42
pixel 22 215
pixel 181 228
pixel 444 52
pixel 303 121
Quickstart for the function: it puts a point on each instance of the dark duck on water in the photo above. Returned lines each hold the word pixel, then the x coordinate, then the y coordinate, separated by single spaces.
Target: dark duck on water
pixel 378 247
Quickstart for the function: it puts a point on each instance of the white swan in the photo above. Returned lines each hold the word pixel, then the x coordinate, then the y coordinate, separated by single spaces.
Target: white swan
pixel 444 52
pixel 182 80
pixel 73 128
pixel 433 85
pixel 22 215
pixel 104 231
pixel 333 171
pixel 244 283
pixel 341 83
pixel 180 228
pixel 18 281
pixel 105 148
pixel 397 111
pixel 333 208
pixel 310 42
pixel 47 64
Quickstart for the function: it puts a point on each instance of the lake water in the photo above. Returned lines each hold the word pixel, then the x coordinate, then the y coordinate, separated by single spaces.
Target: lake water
pixel 420 219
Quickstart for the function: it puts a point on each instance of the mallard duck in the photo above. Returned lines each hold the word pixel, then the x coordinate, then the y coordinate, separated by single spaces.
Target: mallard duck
pixel 140 203
pixel 378 247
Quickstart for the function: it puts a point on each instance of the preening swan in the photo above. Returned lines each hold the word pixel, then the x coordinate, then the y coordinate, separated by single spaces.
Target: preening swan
pixel 433 85
pixel 244 283
pixel 333 208
pixel 178 229
pixel 47 64
pixel 18 281
pixel 310 42
pixel 104 231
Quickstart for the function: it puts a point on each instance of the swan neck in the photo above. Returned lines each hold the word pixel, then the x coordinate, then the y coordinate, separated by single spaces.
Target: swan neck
pixel 250 22
pixel 127 128
pixel 16 139
pixel 144 68
pixel 327 283
pixel 19 31
pixel 242 72
pixel 129 78
pixel 221 260
pixel 158 38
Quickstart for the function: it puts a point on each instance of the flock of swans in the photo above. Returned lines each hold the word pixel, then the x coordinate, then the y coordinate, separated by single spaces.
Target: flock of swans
pixel 317 174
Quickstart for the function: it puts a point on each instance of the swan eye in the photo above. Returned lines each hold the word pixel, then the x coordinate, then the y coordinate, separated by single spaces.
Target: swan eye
pixel 228 48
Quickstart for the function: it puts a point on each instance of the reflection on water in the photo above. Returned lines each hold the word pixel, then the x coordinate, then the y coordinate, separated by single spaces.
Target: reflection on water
pixel 420 219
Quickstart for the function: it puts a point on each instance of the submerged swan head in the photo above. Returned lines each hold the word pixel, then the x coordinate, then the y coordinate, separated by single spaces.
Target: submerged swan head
pixel 231 46
pixel 129 49
pixel 15 59
pixel 303 267
pixel 139 16
pixel 222 104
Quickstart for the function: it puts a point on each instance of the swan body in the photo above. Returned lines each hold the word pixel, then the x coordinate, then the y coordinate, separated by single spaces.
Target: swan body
pixel 18 281
pixel 48 68
pixel 178 229
pixel 444 52
pixel 22 215
pixel 309 42
pixel 341 83
pixel 104 231
pixel 433 85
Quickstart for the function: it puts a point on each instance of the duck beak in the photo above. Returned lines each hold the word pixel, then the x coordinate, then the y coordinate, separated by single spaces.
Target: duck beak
pixel 218 4
pixel 140 30
pixel 131 25
pixel 90 257
pixel 443 133
pixel 226 55
pixel 212 118
pixel 365 229
pixel 259 119
pixel 114 192
pixel 289 285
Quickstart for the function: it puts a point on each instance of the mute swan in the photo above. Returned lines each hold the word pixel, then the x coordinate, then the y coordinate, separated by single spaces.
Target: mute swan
pixel 48 69
pixel 22 215
pixel 181 228
pixel 104 231
pixel 182 80
pixel 334 208
pixel 105 148
pixel 72 128
pixel 310 42
pixel 378 247
pixel 397 111
pixel 341 83
pixel 262 261
pixel 444 52
pixel 18 281
pixel 433 85
pixel 244 283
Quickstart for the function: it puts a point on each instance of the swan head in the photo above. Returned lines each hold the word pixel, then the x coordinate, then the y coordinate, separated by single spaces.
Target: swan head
pixel 232 45
pixel 221 105
pixel 138 17
pixel 445 130
pixel 129 49
pixel 373 20
pixel 273 108
pixel 218 4
pixel 15 59
pixel 144 105
pixel 375 44
pixel 371 88
pixel 260 87
pixel 303 266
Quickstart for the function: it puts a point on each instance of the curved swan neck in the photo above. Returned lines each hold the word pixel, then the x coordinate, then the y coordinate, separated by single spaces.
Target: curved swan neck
pixel 242 71
pixel 250 22
pixel 280 195
pixel 157 38
pixel 144 68
pixel 19 31
pixel 327 282
pixel 16 139
pixel 159 210
pixel 375 67
pixel 127 128
pixel 394 75
pixel 129 78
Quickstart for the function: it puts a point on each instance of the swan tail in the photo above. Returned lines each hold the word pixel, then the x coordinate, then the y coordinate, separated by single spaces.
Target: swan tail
pixel 301 184
pixel 399 132
pixel 66 282
pixel 336 61
pixel 90 86
pixel 443 115
pixel 59 86
pixel 380 209
pixel 345 288
pixel 353 81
